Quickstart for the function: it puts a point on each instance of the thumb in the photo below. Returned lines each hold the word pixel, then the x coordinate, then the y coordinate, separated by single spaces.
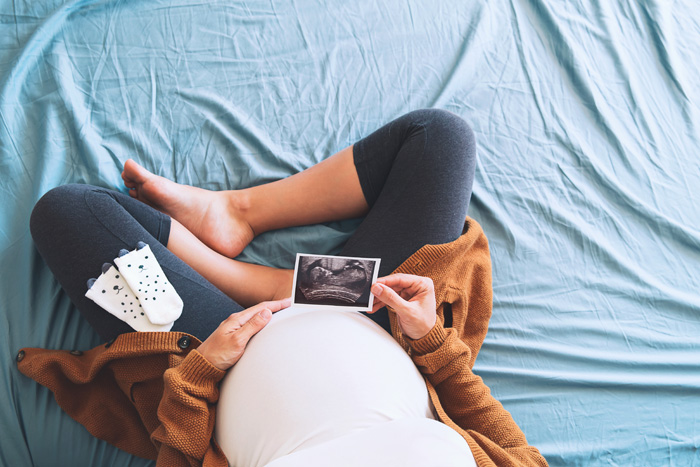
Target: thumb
pixel 388 296
pixel 254 325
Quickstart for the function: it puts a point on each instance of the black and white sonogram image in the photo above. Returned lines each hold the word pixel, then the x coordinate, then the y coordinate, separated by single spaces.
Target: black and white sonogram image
pixel 338 281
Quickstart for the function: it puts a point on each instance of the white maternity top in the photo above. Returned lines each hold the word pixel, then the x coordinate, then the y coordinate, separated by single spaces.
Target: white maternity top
pixel 325 387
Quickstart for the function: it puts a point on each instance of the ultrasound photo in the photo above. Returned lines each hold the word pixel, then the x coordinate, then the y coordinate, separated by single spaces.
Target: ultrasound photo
pixel 337 281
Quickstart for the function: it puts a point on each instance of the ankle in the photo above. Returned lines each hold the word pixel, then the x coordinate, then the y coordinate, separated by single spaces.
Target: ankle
pixel 239 203
pixel 285 282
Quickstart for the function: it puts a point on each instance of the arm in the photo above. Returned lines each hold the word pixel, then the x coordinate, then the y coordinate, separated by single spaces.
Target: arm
pixel 187 413
pixel 444 360
pixel 187 410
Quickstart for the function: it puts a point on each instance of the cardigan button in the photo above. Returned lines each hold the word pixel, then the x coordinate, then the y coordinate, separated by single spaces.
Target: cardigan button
pixel 20 356
pixel 77 353
pixel 184 342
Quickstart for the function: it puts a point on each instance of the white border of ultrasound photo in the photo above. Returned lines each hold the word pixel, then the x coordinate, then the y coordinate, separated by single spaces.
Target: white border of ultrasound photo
pixel 303 302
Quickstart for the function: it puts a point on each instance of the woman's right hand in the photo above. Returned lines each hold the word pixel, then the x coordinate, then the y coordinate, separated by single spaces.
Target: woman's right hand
pixel 225 346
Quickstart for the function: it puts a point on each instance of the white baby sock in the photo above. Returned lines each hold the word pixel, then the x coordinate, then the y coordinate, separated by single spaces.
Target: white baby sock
pixel 111 292
pixel 157 296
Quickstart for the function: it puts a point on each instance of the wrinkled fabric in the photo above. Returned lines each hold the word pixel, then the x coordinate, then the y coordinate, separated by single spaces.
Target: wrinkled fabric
pixel 586 121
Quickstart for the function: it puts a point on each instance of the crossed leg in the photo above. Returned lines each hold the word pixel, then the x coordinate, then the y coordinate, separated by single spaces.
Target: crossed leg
pixel 227 221
pixel 411 180
pixel 210 227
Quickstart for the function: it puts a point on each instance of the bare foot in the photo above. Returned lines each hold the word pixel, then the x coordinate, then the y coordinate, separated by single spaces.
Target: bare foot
pixel 215 217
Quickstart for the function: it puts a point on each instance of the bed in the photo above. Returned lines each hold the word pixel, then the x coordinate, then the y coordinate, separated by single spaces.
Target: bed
pixel 587 124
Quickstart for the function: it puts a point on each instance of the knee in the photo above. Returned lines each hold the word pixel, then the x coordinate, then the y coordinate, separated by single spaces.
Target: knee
pixel 53 208
pixel 447 122
pixel 449 129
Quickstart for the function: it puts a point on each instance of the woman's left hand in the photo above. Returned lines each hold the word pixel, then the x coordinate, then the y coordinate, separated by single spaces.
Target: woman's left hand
pixel 413 300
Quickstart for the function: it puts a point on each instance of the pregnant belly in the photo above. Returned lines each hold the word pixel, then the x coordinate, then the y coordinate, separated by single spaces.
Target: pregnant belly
pixel 311 376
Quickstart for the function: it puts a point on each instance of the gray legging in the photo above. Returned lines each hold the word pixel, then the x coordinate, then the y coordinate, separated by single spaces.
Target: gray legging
pixel 416 174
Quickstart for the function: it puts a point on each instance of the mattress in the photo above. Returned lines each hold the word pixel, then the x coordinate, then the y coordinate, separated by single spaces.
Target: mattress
pixel 587 124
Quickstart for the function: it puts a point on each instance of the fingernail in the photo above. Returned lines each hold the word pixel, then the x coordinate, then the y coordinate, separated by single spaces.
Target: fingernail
pixel 266 314
pixel 377 289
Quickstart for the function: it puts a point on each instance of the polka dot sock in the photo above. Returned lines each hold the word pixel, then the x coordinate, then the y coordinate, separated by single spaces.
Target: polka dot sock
pixel 111 292
pixel 157 296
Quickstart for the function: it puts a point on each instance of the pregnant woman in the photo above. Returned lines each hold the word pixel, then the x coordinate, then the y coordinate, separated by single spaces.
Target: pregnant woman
pixel 390 387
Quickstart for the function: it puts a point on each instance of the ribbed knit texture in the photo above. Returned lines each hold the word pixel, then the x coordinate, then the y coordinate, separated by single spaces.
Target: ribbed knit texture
pixel 160 399
pixel 461 272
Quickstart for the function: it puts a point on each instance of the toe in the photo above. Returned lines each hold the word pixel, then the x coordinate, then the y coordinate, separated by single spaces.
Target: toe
pixel 134 173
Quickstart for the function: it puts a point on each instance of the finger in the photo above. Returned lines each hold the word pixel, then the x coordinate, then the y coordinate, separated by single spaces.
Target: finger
pixel 277 305
pixel 377 305
pixel 252 327
pixel 388 296
pixel 402 281
pixel 406 294
pixel 242 317
pixel 416 286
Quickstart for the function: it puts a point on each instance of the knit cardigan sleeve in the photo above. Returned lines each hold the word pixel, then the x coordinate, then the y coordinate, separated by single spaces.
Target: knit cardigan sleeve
pixel 489 429
pixel 187 413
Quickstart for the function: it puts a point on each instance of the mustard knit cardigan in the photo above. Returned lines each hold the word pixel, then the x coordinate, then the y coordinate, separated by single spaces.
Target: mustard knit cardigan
pixel 153 395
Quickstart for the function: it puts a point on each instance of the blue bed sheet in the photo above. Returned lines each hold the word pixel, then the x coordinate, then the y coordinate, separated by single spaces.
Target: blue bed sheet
pixel 587 123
